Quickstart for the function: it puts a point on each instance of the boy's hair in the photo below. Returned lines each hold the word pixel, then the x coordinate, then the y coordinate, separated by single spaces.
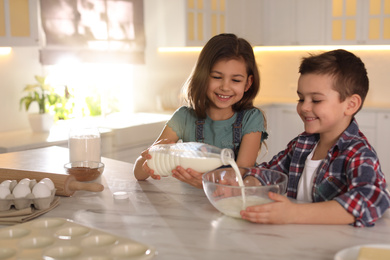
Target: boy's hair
pixel 348 71
pixel 221 47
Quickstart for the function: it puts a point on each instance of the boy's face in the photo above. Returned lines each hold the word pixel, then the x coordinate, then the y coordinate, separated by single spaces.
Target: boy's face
pixel 319 106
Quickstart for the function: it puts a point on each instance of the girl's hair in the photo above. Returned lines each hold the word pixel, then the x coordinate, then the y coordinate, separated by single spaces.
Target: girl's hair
pixel 221 47
pixel 348 72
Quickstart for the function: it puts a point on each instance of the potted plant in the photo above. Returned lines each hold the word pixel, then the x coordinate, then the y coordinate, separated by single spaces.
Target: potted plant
pixel 46 97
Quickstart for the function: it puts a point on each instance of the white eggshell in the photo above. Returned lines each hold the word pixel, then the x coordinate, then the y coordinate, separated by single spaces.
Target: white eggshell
pixel 21 190
pixel 10 184
pixel 4 191
pixel 48 183
pixel 24 181
pixel 41 190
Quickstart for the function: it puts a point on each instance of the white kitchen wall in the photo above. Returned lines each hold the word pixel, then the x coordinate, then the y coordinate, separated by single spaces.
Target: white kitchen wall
pixel 279 75
pixel 16 70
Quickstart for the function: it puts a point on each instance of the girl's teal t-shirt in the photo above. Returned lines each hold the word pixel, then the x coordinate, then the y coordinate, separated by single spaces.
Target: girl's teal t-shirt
pixel 217 133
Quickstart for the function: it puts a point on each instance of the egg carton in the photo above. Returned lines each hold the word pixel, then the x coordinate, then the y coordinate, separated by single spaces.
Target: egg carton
pixel 27 201
pixel 23 203
pixel 59 238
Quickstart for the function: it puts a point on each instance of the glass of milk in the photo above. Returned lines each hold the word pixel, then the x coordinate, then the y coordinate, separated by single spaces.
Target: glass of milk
pixel 84 144
pixel 223 189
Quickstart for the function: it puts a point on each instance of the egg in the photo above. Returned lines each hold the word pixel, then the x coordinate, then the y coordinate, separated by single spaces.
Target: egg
pixel 48 183
pixel 10 184
pixel 41 190
pixel 21 190
pixel 24 181
pixel 4 191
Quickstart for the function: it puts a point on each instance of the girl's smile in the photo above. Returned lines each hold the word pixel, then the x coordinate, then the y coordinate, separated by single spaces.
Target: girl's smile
pixel 223 97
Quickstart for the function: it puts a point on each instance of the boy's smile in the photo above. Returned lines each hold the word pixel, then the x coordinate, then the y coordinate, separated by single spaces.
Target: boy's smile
pixel 319 106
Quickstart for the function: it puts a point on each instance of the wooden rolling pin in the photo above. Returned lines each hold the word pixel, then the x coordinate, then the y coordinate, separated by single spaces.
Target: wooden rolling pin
pixel 65 184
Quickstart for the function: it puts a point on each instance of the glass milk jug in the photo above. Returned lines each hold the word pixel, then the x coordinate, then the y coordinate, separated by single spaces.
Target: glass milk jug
pixel 84 144
pixel 197 156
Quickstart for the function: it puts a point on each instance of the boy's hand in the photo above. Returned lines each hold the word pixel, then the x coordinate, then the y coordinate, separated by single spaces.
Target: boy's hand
pixel 189 176
pixel 251 181
pixel 281 211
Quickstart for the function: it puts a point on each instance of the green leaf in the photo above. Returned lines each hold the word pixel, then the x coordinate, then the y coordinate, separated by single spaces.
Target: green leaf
pixel 30 87
pixel 41 80
pixel 27 102
pixel 44 95
pixel 53 99
pixel 46 87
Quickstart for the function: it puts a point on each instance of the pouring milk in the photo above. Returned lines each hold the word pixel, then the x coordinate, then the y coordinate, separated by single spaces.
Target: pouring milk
pixel 197 156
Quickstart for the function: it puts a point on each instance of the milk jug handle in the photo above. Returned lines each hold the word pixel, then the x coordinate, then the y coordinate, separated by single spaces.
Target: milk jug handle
pixel 226 156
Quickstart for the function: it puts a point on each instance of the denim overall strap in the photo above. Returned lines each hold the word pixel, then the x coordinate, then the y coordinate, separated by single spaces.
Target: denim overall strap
pixel 199 130
pixel 237 132
pixel 237 126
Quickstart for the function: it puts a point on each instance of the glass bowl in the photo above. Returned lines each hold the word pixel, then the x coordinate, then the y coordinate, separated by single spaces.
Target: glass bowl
pixel 226 195
pixel 85 170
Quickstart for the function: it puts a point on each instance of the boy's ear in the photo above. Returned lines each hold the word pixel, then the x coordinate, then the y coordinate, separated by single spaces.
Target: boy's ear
pixel 353 104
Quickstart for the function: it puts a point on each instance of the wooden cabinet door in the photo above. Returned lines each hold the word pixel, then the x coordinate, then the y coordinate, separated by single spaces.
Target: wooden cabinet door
pixel 19 23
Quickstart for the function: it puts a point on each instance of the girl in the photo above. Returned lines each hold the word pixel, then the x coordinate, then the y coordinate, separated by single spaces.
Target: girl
pixel 220 111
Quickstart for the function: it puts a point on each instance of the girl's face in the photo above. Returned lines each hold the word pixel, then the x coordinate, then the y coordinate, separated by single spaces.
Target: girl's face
pixel 319 106
pixel 228 81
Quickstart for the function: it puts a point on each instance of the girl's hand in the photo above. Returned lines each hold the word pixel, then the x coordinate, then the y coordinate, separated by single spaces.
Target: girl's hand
pixel 226 192
pixel 281 211
pixel 145 155
pixel 189 176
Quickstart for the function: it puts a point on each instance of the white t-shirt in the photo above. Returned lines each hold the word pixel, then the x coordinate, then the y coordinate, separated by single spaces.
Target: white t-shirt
pixel 305 184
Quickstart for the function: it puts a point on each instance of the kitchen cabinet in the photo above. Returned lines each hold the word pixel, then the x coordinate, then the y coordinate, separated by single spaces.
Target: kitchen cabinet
pixel 359 22
pixel 204 18
pixel 19 23
pixel 188 22
pixel 293 22
pixel 284 124
pixel 383 141
pixel 320 22
pixel 182 23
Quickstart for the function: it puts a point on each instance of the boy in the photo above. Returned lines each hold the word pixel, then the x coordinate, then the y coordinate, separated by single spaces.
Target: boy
pixel 331 163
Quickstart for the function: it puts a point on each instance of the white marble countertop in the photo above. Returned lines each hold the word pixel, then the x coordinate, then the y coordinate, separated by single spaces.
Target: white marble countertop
pixel 180 223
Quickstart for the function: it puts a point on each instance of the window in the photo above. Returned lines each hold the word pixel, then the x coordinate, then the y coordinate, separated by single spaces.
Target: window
pixel 96 31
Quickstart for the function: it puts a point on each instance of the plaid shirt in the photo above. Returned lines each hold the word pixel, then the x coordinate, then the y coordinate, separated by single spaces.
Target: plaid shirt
pixel 350 174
